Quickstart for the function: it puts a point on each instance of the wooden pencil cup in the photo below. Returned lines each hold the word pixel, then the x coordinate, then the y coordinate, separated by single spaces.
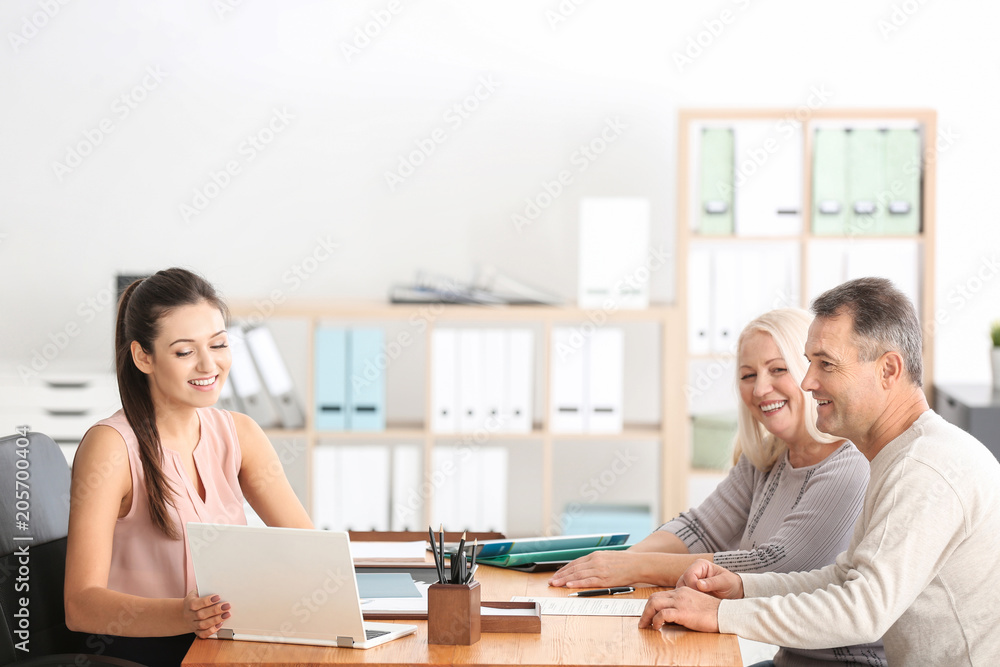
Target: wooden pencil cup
pixel 453 613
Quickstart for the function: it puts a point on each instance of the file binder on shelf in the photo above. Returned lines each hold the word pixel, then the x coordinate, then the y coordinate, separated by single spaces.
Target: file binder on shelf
pixel 470 380
pixel 587 380
pixel 274 373
pixel 482 379
pixel 605 381
pixel 865 182
pixel 351 487
pixel 715 214
pixel 519 364
pixel 568 381
pixel 902 178
pixel 768 197
pixel 408 495
pixel 829 210
pixel 444 381
pixel 366 391
pixel 330 383
pixel 614 244
pixel 246 382
pixel 350 379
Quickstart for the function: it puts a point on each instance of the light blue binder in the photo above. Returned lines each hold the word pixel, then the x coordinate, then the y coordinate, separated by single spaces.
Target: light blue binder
pixel 366 380
pixel 331 378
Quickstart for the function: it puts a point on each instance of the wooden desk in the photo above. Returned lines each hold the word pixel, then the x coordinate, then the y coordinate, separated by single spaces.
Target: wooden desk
pixel 564 640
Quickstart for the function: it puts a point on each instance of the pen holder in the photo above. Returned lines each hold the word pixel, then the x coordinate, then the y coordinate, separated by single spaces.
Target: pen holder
pixel 453 613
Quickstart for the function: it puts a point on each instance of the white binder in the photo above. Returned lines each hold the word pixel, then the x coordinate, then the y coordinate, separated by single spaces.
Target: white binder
pixel 568 381
pixel 327 506
pixel 351 487
pixel 444 506
pixel 493 463
pixel 520 369
pixel 246 382
pixel 614 244
pixel 470 380
pixel 725 297
pixel 700 301
pixel 768 179
pixel 494 389
pixel 605 380
pixel 407 488
pixel 276 378
pixel 444 381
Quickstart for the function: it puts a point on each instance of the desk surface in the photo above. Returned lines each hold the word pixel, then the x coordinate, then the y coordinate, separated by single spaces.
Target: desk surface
pixel 564 640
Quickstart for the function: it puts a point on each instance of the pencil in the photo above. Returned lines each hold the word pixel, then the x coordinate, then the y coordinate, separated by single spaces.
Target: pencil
pixel 437 561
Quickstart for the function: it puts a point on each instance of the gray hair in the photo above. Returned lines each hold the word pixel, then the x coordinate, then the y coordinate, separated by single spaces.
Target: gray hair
pixel 883 320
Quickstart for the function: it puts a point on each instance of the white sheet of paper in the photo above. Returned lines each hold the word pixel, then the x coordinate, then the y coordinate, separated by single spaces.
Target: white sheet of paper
pixel 586 606
pixel 385 550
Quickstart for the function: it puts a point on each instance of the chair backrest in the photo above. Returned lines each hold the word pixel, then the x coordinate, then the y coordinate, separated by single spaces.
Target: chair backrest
pixel 34 519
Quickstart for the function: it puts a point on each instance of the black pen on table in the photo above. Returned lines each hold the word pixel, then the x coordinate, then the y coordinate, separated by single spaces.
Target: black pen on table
pixel 618 590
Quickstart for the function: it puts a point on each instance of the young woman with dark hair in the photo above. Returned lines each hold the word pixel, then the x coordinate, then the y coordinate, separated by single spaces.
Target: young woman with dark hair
pixel 166 458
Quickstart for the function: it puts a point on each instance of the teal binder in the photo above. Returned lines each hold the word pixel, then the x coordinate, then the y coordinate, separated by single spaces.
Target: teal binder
pixel 715 214
pixel 866 182
pixel 829 209
pixel 366 381
pixel 902 176
pixel 330 382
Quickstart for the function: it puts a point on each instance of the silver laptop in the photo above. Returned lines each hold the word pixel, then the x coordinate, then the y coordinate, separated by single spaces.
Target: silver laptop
pixel 286 585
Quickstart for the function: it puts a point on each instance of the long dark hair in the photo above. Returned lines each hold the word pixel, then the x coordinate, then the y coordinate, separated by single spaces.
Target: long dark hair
pixel 140 308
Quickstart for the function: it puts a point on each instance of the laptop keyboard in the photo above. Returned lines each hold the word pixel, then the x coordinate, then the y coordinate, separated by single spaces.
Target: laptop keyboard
pixel 372 634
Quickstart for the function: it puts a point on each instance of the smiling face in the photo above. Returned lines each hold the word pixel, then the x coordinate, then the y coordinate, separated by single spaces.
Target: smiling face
pixel 768 389
pixel 190 358
pixel 846 390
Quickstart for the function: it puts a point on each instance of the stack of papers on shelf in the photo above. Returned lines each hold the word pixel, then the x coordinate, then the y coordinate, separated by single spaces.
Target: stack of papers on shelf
pixel 488 288
pixel 528 551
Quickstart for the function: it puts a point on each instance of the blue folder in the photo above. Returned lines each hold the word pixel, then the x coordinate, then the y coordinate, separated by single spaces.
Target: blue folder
pixel 366 380
pixel 331 379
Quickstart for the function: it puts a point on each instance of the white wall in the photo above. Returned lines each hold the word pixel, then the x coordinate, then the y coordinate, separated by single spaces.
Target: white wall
pixel 557 84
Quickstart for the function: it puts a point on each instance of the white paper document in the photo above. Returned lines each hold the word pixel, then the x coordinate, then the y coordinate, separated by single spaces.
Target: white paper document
pixel 388 550
pixel 586 606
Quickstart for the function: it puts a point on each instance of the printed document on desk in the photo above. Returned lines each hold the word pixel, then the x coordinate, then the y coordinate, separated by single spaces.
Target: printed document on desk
pixel 586 606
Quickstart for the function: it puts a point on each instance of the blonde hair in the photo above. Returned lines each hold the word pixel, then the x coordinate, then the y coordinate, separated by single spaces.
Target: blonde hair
pixel 788 328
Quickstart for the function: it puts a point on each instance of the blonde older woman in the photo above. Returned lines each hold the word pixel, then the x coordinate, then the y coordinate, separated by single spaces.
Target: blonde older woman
pixel 789 504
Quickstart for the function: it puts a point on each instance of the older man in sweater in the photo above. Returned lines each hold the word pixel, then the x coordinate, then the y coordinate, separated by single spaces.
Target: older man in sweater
pixel 920 569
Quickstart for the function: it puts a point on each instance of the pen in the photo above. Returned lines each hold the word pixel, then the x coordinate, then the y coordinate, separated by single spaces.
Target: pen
pixel 619 590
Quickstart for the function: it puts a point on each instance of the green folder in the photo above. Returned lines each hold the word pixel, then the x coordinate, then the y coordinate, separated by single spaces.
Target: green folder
pixel 715 215
pixel 829 209
pixel 866 182
pixel 513 560
pixel 902 178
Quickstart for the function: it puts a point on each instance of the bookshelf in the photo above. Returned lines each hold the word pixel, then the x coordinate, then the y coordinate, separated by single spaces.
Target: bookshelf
pixel 666 436
pixel 812 253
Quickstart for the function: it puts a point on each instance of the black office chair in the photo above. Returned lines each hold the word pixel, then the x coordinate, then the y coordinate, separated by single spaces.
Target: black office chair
pixel 34 506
